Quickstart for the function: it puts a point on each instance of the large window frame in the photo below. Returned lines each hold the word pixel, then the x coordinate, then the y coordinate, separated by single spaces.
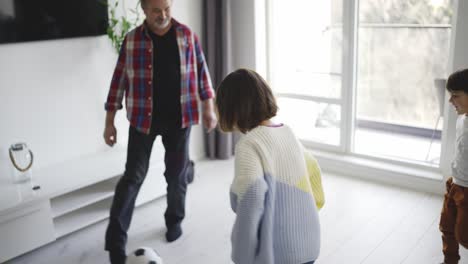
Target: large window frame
pixel 347 101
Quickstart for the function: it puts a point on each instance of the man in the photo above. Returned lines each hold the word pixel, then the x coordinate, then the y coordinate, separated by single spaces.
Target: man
pixel 162 71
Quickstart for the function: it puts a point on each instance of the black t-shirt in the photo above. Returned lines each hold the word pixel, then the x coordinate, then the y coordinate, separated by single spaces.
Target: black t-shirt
pixel 166 80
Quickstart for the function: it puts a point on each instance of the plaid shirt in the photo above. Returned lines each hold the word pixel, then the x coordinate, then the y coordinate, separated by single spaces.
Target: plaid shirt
pixel 134 76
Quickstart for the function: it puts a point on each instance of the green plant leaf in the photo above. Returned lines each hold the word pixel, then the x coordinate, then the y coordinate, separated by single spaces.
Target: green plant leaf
pixel 118 27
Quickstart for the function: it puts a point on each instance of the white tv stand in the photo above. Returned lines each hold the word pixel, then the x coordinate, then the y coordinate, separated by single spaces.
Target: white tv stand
pixel 72 195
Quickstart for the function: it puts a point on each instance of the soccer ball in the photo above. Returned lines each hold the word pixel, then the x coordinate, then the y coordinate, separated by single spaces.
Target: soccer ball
pixel 144 255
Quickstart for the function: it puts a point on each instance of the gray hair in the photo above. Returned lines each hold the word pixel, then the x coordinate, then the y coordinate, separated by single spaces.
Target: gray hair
pixel 143 3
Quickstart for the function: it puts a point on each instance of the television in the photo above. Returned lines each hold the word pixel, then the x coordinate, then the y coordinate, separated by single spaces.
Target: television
pixel 32 20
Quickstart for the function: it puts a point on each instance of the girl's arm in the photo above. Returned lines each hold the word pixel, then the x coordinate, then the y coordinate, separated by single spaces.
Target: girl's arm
pixel 247 194
pixel 315 179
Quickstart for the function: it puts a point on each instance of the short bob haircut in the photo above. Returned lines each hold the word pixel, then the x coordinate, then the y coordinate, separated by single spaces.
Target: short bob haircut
pixel 458 81
pixel 244 100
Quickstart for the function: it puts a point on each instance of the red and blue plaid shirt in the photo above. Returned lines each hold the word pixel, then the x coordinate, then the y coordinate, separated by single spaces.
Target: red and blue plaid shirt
pixel 133 76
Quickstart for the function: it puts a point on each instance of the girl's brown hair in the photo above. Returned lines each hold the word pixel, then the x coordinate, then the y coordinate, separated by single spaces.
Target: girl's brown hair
pixel 243 101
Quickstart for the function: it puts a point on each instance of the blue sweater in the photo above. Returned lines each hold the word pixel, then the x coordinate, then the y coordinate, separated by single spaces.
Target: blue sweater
pixel 276 213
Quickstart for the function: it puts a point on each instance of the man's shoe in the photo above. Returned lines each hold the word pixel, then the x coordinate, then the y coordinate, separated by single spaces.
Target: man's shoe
pixel 117 257
pixel 173 233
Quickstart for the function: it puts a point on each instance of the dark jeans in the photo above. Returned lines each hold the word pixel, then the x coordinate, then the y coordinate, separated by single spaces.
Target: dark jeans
pixel 178 169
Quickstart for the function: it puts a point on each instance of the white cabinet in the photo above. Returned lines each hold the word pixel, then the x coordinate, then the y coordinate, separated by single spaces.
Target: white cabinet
pixel 80 208
pixel 88 205
pixel 25 228
pixel 72 195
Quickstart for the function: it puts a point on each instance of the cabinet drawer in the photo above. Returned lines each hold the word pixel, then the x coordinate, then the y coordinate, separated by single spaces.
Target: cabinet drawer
pixel 25 229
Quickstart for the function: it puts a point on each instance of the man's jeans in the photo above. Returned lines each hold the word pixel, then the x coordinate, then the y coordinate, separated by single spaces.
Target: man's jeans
pixel 178 170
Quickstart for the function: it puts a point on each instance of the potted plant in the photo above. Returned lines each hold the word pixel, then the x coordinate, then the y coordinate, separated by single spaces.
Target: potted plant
pixel 119 26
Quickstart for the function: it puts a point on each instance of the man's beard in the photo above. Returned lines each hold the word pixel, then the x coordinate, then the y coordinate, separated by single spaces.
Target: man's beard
pixel 162 24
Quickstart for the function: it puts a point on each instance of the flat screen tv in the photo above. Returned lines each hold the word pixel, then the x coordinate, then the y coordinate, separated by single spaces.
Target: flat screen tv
pixel 32 20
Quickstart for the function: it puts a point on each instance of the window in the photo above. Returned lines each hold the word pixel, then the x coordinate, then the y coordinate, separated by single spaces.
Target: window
pixel 402 50
pixel 306 38
pixel 362 76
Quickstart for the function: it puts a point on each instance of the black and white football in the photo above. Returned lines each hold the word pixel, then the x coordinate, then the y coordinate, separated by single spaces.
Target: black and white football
pixel 144 255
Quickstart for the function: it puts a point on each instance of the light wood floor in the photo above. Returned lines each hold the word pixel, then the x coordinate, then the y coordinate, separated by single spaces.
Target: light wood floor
pixel 362 222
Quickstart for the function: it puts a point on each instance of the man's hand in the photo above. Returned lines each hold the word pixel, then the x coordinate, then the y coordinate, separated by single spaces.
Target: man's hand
pixel 209 116
pixel 209 120
pixel 110 135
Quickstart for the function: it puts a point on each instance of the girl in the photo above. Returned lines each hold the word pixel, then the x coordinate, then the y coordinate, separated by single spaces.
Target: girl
pixel 273 192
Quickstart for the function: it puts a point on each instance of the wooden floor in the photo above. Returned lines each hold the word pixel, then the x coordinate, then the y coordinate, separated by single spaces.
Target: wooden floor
pixel 362 222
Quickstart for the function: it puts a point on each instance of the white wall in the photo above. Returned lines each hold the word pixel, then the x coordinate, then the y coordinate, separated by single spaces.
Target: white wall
pixel 52 94
pixel 460 40
pixel 243 33
pixel 248 35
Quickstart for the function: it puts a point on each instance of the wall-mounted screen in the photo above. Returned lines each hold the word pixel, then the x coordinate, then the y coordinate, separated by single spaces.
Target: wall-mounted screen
pixel 31 20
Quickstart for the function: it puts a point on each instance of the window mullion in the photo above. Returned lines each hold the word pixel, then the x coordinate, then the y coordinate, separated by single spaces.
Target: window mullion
pixel 350 64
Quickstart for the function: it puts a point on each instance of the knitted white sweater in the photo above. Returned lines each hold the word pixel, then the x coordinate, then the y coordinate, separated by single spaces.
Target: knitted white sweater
pixel 276 215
